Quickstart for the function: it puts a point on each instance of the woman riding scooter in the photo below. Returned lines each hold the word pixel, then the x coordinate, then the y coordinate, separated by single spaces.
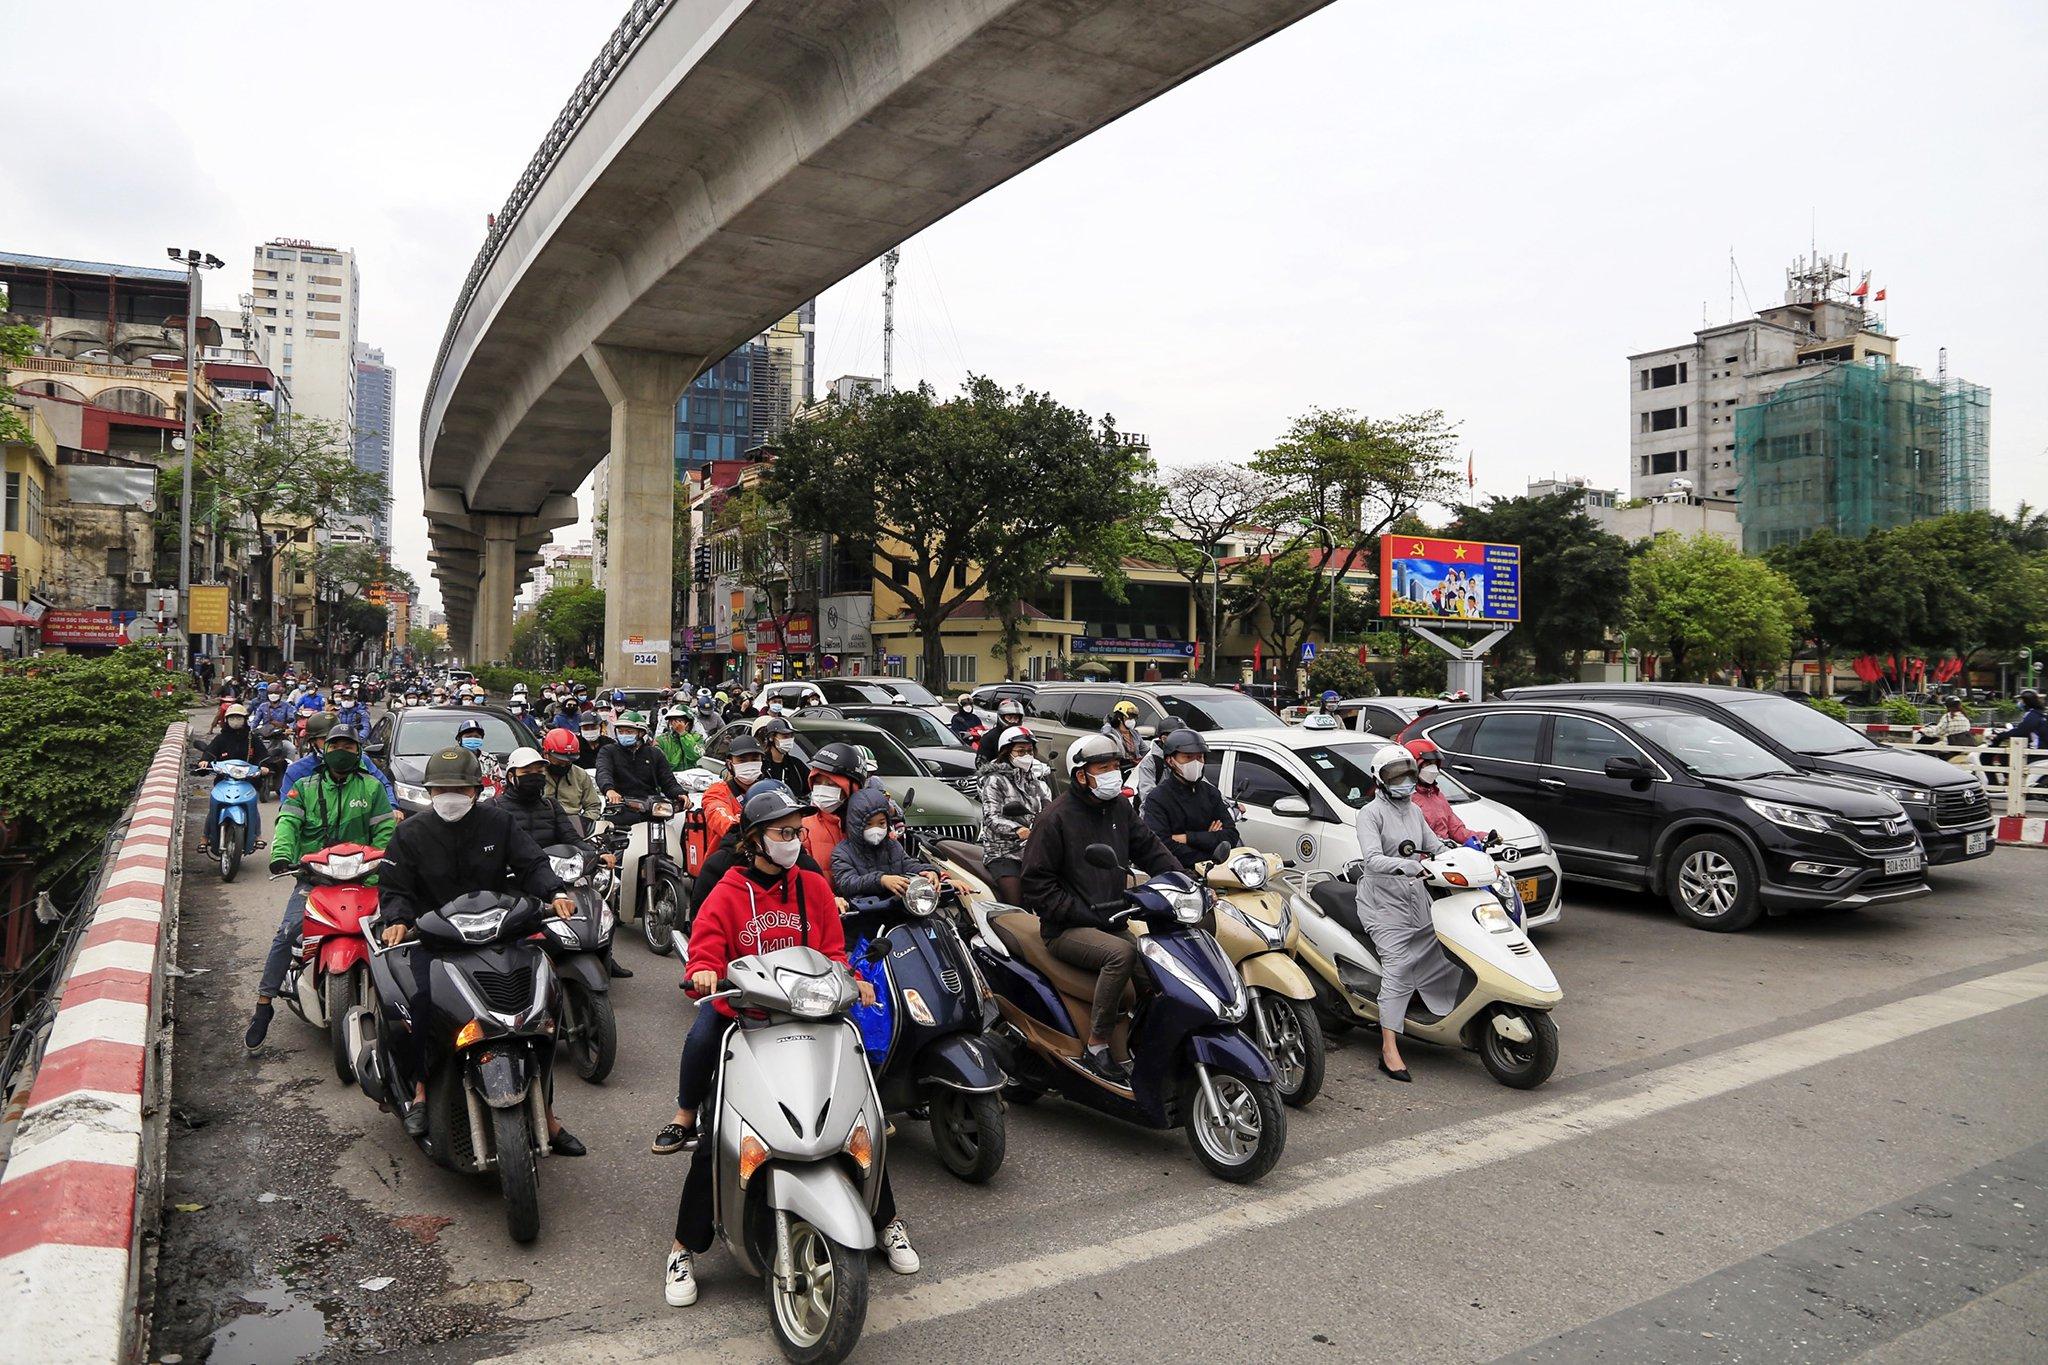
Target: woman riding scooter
pixel 1434 805
pixel 1393 904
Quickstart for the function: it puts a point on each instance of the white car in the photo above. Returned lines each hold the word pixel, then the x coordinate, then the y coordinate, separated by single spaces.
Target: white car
pixel 1301 788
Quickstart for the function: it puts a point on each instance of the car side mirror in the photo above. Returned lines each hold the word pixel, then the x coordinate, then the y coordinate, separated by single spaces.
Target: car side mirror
pixel 376 747
pixel 1102 856
pixel 1291 808
pixel 1626 768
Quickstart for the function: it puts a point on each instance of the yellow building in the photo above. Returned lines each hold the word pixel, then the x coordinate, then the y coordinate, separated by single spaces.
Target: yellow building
pixel 30 468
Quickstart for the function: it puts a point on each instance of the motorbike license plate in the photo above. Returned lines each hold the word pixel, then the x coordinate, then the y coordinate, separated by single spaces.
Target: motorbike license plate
pixel 1527 886
pixel 1978 842
pixel 1894 866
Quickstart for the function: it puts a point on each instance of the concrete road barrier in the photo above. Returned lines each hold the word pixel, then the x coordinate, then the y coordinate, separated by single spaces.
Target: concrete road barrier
pixel 79 1190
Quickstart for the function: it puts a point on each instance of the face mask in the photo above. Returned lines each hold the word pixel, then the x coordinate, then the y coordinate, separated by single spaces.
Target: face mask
pixel 1426 774
pixel 589 732
pixel 452 806
pixel 341 762
pixel 784 853
pixel 1108 786
pixel 530 785
pixel 874 834
pixel 746 772
pixel 1024 761
pixel 1401 790
pixel 774 748
pixel 825 796
pixel 277 696
pixel 473 743
pixel 628 738
pixel 774 708
pixel 235 722
pixel 1192 771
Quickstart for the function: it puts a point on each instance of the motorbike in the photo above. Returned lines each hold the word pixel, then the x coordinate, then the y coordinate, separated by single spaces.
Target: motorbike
pixel 493 992
pixel 798 1145
pixel 581 947
pixel 926 1034
pixel 1192 1063
pixel 647 884
pixel 234 790
pixel 1506 990
pixel 1257 931
pixel 283 753
pixel 328 978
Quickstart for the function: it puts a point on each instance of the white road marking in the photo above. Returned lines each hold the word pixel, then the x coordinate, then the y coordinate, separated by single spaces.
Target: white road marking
pixel 1358 1175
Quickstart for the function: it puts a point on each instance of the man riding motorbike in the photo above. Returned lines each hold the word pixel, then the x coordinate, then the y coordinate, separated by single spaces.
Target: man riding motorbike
pixel 521 719
pixel 567 784
pixel 350 711
pixel 1394 905
pixel 273 710
pixel 722 799
pixel 632 769
pixel 339 803
pixel 318 728
pixel 680 743
pixel 591 736
pixel 1009 714
pixel 965 720
pixel 1434 805
pixel 455 848
pixel 776 736
pixel 1014 778
pixel 1186 810
pixel 236 740
pixel 1065 889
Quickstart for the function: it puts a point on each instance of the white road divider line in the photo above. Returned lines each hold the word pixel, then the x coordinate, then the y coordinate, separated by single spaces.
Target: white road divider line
pixel 1359 1175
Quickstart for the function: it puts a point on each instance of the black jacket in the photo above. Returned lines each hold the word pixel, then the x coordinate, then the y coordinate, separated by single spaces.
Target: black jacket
pixel 727 856
pixel 792 772
pixel 543 818
pixel 430 862
pixel 636 773
pixel 1062 886
pixel 588 750
pixel 244 744
pixel 1176 807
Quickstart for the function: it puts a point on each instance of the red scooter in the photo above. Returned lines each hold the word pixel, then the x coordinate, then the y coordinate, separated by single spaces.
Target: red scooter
pixel 329 981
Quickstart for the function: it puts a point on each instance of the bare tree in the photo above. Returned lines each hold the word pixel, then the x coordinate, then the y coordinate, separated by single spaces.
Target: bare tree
pixel 1200 507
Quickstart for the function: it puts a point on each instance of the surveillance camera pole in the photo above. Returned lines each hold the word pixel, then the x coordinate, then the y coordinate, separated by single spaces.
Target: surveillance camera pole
pixel 193 262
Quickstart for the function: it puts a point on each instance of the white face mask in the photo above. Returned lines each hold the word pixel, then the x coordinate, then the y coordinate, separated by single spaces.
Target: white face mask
pixel 825 796
pixel 1024 761
pixel 1426 774
pixel 784 853
pixel 749 771
pixel 1191 770
pixel 235 722
pixel 1107 785
pixel 452 806
pixel 874 834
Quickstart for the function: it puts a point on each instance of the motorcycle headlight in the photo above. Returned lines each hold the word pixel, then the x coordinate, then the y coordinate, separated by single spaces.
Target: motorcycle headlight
pixel 561 930
pixel 922 898
pixel 810 997
pixel 1493 919
pixel 661 810
pixel 569 869
pixel 606 920
pixel 479 926
pixel 1250 871
pixel 1187 906
pixel 345 867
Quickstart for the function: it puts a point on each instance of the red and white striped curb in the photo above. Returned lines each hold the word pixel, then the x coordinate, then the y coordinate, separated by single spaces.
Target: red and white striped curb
pixel 2023 829
pixel 70 1213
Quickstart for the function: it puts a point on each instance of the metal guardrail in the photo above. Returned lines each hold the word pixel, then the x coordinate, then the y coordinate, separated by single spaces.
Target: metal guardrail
pixel 640 16
pixel 2016 772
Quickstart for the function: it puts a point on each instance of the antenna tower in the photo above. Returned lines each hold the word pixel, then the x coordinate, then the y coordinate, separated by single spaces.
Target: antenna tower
pixel 889 260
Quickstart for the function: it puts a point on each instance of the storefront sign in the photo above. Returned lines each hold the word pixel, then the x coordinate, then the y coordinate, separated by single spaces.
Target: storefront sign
pixel 1426 579
pixel 799 632
pixel 1150 649
pixel 85 627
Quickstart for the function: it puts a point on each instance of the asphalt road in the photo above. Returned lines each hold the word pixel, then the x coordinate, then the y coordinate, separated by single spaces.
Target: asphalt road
pixel 1821 1140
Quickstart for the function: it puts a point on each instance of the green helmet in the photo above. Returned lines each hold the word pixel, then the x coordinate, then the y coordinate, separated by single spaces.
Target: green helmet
pixel 317 726
pixel 455 767
pixel 636 719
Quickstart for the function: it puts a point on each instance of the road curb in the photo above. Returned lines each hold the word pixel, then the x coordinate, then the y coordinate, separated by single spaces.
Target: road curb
pixel 2023 831
pixel 75 1199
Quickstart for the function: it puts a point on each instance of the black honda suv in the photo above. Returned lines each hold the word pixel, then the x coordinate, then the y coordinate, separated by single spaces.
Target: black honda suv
pixel 1677 803
pixel 1948 805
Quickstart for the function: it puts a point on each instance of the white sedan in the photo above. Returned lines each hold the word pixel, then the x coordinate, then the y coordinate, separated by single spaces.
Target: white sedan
pixel 1300 790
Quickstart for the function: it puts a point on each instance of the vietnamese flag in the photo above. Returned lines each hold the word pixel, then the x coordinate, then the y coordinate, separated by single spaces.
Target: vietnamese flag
pixel 1880 296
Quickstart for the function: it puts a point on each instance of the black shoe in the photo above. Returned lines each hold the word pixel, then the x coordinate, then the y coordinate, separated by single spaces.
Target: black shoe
pixel 1401 1075
pixel 416 1120
pixel 259 1025
pixel 617 970
pixel 673 1138
pixel 565 1143
pixel 1102 1066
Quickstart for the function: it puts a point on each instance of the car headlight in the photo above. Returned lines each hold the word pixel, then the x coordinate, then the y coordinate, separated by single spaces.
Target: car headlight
pixel 1492 918
pixel 810 997
pixel 1792 817
pixel 419 796
pixel 1250 871
pixel 922 898
pixel 1897 792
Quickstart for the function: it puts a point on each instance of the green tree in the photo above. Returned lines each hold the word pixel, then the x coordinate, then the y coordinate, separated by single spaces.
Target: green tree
pixel 1338 670
pixel 1575 576
pixel 343 575
pixel 1703 607
pixel 571 617
pixel 17 343
pixel 1279 598
pixel 952 493
pixel 1986 593
pixel 426 645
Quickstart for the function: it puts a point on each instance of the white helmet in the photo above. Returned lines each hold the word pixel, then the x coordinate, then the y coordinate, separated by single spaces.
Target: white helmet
pixel 519 689
pixel 1391 763
pixel 522 757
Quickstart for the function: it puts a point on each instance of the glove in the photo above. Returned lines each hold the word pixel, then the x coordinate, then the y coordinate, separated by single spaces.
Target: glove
pixel 1475 843
pixel 279 866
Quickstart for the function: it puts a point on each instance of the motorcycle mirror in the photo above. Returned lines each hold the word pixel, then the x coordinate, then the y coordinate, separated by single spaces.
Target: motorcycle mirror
pixel 1102 856
pixel 877 951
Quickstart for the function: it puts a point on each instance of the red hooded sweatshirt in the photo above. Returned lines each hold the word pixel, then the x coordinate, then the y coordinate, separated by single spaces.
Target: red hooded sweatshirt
pixel 751 912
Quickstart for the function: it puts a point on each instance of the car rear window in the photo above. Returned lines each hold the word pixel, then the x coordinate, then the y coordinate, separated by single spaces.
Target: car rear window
pixel 1218 711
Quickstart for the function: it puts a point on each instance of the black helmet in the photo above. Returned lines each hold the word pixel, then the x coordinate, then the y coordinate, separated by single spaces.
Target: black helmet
pixel 766 807
pixel 457 767
pixel 2029 697
pixel 840 760
pixel 1184 741
pixel 744 746
pixel 317 725
pixel 773 725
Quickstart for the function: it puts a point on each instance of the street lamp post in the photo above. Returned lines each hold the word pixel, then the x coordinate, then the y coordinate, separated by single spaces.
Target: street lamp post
pixel 194 261
pixel 1215 585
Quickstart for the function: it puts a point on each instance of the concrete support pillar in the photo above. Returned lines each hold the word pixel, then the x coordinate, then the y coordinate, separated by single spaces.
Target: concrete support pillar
pixel 642 387
pixel 498 585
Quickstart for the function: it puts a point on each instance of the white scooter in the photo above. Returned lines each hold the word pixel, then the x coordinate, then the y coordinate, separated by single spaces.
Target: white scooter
pixel 1505 992
pixel 647 884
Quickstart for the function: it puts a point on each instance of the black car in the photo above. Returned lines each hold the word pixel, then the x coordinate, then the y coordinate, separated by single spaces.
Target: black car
pixel 1676 803
pixel 402 741
pixel 927 737
pixel 1948 805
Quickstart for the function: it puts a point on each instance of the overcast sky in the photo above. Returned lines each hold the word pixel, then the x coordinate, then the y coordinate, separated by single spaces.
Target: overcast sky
pixel 1475 207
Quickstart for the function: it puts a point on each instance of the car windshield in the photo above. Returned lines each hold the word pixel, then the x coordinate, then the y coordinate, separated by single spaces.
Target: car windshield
pixel 911 691
pixel 1706 748
pixel 1346 769
pixel 912 727
pixel 1218 711
pixel 891 758
pixel 1799 728
pixel 420 735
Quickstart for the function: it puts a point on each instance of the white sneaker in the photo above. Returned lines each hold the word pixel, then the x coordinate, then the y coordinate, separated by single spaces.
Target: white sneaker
pixel 679 1286
pixel 896 1246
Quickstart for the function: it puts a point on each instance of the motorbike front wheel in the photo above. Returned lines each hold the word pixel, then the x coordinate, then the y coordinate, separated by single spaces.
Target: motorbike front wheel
pixel 970 1132
pixel 1524 1066
pixel 1297 1045
pixel 229 837
pixel 518 1179
pixel 661 912
pixel 344 991
pixel 819 1316
pixel 590 1031
pixel 1240 1137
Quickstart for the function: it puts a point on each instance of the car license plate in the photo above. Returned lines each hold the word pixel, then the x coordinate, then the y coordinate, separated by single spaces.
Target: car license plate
pixel 1978 842
pixel 1527 886
pixel 1894 866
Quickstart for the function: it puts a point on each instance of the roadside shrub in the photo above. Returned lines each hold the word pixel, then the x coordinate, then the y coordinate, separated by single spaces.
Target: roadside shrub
pixel 1831 706
pixel 499 681
pixel 1899 711
pixel 2007 710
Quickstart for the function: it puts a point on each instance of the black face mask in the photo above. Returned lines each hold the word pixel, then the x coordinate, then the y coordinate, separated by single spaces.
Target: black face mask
pixel 529 786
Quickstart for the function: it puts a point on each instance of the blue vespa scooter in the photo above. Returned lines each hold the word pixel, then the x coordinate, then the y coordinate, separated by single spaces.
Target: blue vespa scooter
pixel 234 791
pixel 1192 1063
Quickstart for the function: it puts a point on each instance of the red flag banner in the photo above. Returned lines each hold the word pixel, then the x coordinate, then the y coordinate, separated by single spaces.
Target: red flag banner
pixel 1880 296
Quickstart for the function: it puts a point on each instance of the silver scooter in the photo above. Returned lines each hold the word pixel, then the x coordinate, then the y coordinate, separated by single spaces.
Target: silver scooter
pixel 798 1146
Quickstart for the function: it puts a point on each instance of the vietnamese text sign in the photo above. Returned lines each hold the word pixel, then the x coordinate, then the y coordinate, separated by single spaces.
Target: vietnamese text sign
pixel 1157 649
pixel 209 614
pixel 1423 578
pixel 84 628
pixel 799 631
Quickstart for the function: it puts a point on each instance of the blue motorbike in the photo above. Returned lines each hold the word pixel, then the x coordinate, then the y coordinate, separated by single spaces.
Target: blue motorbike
pixel 1192 1063
pixel 925 1034
pixel 235 794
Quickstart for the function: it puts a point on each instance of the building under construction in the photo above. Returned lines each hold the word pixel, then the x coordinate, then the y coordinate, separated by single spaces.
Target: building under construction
pixel 1860 445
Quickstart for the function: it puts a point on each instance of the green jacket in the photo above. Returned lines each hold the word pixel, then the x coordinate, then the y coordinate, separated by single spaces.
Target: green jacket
pixel 682 751
pixel 319 811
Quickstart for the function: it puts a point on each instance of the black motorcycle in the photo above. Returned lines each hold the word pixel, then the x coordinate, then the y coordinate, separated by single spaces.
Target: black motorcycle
pixel 648 884
pixel 581 947
pixel 490 1041
pixel 926 1034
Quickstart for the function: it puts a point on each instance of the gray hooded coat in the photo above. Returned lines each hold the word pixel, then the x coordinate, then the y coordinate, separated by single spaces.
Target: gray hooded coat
pixel 1393 905
pixel 858 866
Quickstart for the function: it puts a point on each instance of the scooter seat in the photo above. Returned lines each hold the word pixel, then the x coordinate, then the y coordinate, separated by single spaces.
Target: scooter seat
pixel 1020 932
pixel 1339 900
pixel 970 857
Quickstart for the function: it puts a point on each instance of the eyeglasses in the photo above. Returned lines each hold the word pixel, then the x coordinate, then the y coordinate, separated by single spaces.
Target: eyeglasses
pixel 785 831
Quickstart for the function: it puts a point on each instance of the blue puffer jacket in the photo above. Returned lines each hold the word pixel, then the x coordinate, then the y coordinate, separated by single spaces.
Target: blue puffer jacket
pixel 859 866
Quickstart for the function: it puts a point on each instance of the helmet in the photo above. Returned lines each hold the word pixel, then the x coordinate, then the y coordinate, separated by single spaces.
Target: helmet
pixel 1391 763
pixel 618 696
pixel 1010 706
pixel 560 741
pixel 681 713
pixel 523 757
pixel 1424 750
pixel 1125 708
pixel 763 808
pixel 469 725
pixel 744 745
pixel 236 710
pixel 1330 694
pixel 456 767
pixel 840 760
pixel 1184 741
pixel 773 725
pixel 636 720
pixel 964 700
pixel 517 706
pixel 318 724
pixel 1092 749
pixel 703 694
pixel 1015 734
pixel 519 689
